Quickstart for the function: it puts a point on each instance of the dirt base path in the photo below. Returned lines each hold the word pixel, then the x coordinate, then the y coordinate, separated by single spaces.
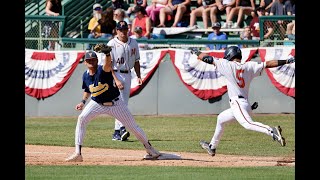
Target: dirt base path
pixel 55 155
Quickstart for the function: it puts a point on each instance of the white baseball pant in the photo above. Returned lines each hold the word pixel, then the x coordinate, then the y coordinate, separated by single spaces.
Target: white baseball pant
pixel 119 110
pixel 125 78
pixel 240 110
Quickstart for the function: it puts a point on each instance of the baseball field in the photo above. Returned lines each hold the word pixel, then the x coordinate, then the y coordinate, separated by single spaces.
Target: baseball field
pixel 242 154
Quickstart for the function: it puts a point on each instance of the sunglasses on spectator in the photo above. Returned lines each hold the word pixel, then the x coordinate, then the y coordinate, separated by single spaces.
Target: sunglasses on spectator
pixel 115 14
pixel 97 8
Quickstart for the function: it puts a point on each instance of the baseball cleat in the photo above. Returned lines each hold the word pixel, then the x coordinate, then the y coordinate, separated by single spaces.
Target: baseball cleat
pixel 125 136
pixel 207 146
pixel 116 137
pixel 277 135
pixel 74 158
pixel 153 154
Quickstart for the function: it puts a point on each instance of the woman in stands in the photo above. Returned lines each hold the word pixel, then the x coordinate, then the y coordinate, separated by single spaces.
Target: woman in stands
pixel 107 24
pixel 141 19
pixel 53 8
pixel 243 7
pixel 154 9
pixel 204 10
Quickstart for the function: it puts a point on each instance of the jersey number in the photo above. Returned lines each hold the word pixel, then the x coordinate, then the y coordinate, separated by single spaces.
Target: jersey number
pixel 120 60
pixel 240 82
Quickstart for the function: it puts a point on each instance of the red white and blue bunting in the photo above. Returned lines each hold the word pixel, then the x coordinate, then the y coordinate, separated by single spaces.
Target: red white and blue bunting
pixel 47 72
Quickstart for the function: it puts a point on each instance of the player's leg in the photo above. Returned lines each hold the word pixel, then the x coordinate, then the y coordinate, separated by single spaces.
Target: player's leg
pixel 120 111
pixel 223 118
pixel 91 110
pixel 120 132
pixel 242 112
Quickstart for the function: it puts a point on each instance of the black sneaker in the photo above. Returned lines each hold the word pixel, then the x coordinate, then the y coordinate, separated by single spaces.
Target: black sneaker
pixel 277 135
pixel 124 134
pixel 207 146
pixel 116 136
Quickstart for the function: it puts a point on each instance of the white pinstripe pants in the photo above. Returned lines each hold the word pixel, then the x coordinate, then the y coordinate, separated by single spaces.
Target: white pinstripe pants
pixel 119 110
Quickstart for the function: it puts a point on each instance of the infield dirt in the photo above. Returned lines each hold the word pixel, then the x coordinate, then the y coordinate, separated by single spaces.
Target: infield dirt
pixel 55 155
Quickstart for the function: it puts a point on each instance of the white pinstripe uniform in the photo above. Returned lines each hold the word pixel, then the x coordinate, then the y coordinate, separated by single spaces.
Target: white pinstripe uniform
pixel 239 77
pixel 98 82
pixel 119 110
pixel 101 86
pixel 124 56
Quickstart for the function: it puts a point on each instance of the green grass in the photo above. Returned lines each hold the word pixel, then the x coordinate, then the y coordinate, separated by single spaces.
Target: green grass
pixel 179 134
pixel 151 173
pixel 174 134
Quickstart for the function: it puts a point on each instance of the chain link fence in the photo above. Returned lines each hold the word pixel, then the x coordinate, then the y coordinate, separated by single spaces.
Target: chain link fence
pixel 43 32
pixel 280 28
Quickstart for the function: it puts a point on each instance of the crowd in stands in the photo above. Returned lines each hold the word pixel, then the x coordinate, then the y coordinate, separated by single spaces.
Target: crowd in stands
pixel 143 17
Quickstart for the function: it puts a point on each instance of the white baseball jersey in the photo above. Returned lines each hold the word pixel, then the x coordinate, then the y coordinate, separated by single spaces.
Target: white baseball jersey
pixel 239 76
pixel 124 55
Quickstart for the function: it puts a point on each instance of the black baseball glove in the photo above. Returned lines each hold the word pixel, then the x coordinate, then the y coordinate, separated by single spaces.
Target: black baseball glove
pixel 195 51
pixel 102 48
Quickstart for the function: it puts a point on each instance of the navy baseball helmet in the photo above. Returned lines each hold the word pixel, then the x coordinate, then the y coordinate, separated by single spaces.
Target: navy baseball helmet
pixel 122 25
pixel 90 55
pixel 232 52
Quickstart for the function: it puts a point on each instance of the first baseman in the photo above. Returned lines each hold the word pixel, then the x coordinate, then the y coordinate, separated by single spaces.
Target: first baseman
pixel 239 76
pixel 98 83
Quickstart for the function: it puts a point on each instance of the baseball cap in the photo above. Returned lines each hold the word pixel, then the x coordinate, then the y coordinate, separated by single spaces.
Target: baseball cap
pixel 97 5
pixel 216 24
pixel 138 29
pixel 122 25
pixel 90 55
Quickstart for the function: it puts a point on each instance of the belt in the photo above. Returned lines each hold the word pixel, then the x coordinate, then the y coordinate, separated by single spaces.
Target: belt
pixel 122 71
pixel 239 96
pixel 111 103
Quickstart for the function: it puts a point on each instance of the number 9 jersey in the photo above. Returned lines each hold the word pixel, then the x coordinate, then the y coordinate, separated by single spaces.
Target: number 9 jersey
pixel 124 55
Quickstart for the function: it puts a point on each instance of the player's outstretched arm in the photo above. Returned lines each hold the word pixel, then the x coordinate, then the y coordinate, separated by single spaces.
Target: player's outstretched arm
pixel 205 57
pixel 276 63
pixel 102 48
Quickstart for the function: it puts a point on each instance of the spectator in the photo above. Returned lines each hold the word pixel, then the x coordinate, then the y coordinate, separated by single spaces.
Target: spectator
pixel 291 30
pixel 142 3
pixel 120 15
pixel 52 8
pixel 243 7
pixel 153 10
pixel 280 7
pixel 107 25
pixel 207 7
pixel 216 35
pixel 116 4
pixel 255 27
pixel 267 5
pixel 94 33
pixel 141 19
pixel 245 35
pixel 174 8
pixel 224 7
pixel 137 34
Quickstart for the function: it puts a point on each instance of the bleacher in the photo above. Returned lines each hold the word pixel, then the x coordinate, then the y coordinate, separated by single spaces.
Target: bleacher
pixel 77 13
